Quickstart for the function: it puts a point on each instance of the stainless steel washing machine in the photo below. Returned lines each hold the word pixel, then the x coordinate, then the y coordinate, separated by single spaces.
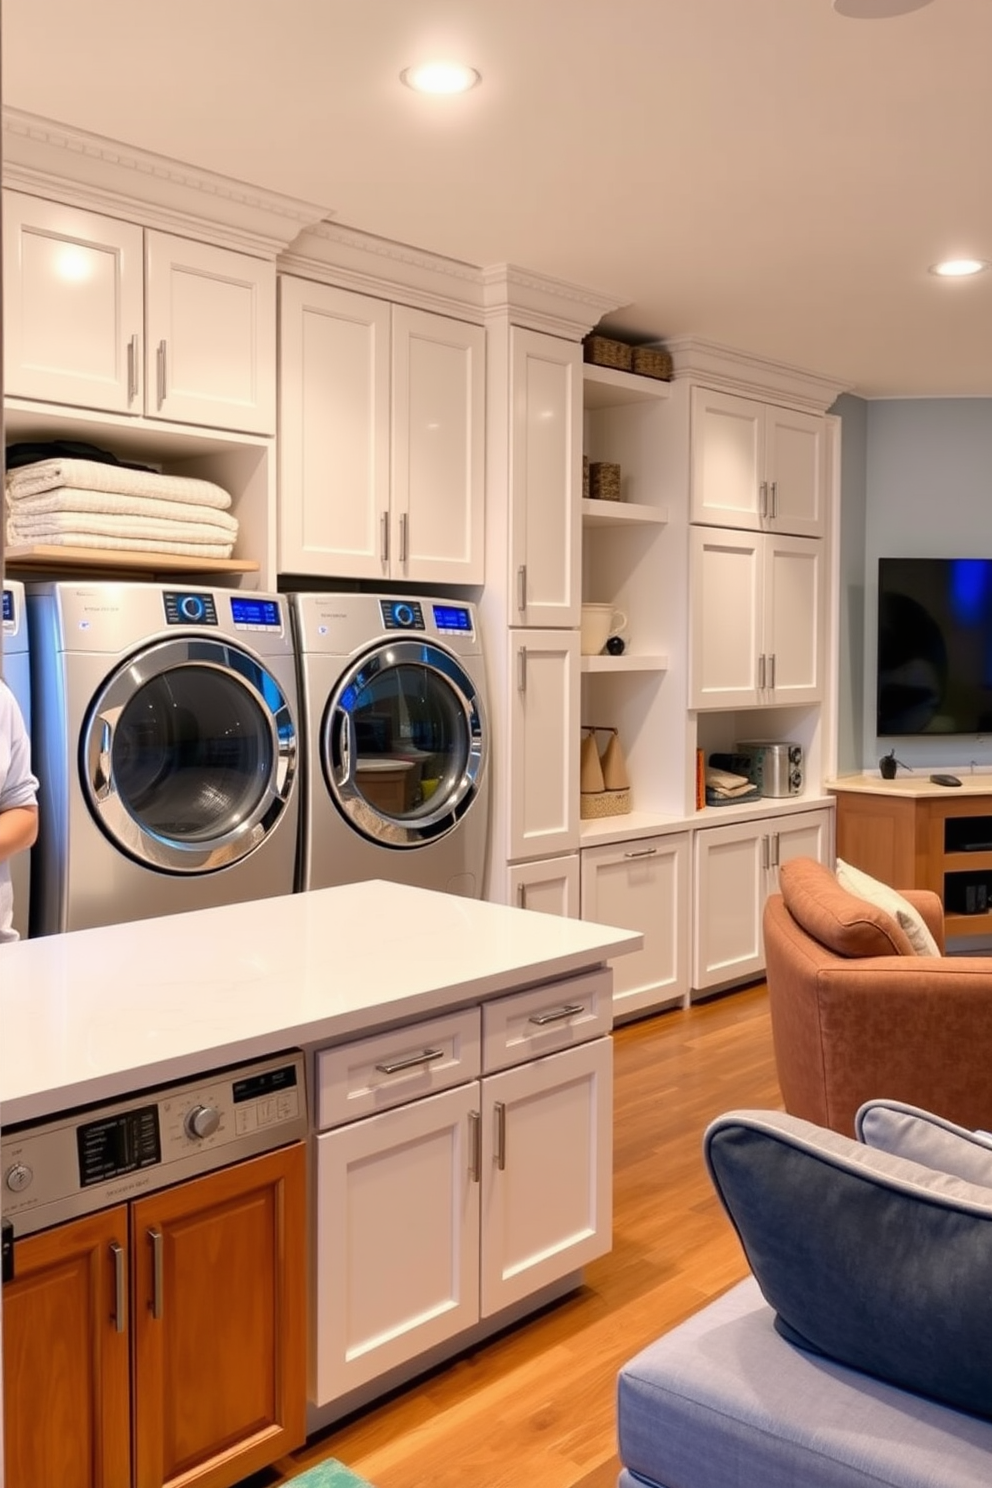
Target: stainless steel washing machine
pixel 17 675
pixel 396 779
pixel 165 741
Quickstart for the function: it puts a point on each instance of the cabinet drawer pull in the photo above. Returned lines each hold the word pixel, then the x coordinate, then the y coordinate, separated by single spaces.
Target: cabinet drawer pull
pixel 522 587
pixel 765 855
pixel 404 536
pixel 160 370
pixel 521 896
pixel 776 861
pixel 409 1061
pixel 555 1015
pixel 155 1236
pixel 774 491
pixel 132 369
pixel 771 670
pixel 384 537
pixel 522 669
pixel 644 852
pixel 763 490
pixel 761 671
pixel 474 1146
pixel 500 1113
pixel 120 1319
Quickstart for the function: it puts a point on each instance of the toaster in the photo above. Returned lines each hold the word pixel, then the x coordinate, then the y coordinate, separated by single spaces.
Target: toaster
pixel 776 768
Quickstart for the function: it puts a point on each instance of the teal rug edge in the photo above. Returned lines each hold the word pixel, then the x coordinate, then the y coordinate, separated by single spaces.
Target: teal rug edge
pixel 329 1474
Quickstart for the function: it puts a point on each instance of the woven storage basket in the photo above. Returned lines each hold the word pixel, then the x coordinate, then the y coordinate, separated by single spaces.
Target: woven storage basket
pixel 604 480
pixel 606 353
pixel 594 804
pixel 648 361
pixel 585 477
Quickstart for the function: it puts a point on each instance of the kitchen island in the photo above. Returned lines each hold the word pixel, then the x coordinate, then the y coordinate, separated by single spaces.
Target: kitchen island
pixel 434 1165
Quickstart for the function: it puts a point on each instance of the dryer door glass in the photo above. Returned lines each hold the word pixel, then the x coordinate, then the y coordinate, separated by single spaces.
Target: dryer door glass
pixel 403 744
pixel 188 755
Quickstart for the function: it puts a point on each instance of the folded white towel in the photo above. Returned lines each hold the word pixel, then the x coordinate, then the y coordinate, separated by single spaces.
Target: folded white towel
pixel 91 475
pixel 72 499
pixel 97 525
pixel 138 545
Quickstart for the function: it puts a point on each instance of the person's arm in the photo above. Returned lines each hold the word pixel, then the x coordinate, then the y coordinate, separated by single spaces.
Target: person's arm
pixel 18 830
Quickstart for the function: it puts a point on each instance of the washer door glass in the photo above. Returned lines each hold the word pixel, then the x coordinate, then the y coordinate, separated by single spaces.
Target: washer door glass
pixel 189 755
pixel 403 744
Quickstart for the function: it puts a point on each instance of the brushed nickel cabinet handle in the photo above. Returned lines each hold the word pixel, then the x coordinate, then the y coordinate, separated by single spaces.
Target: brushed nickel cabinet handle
pixel 645 852
pixel 404 536
pixel 763 499
pixel 120 1316
pixel 761 671
pixel 475 1146
pixel 776 860
pixel 522 669
pixel 774 491
pixel 132 369
pixel 771 671
pixel 384 537
pixel 161 370
pixel 765 855
pixel 411 1061
pixel 521 896
pixel 155 1236
pixel 499 1110
pixel 522 587
pixel 556 1015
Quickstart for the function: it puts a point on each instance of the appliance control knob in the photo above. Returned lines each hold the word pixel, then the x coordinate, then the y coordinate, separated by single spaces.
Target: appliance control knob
pixel 404 614
pixel 191 607
pixel 18 1177
pixel 202 1121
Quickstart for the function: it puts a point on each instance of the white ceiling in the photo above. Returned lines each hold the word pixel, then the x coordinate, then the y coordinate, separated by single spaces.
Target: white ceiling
pixel 767 174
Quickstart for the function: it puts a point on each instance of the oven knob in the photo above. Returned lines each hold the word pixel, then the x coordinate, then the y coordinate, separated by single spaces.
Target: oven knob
pixel 18 1177
pixel 202 1121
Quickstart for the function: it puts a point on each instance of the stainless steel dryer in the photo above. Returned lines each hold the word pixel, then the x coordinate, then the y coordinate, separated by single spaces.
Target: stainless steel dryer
pixel 17 675
pixel 396 784
pixel 165 740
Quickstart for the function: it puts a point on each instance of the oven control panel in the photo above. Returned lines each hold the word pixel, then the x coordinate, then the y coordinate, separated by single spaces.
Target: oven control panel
pixel 99 1156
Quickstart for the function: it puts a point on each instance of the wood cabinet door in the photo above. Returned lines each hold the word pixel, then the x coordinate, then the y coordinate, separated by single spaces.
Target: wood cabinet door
pixel 727 459
pixel 643 885
pixel 550 886
pixel 547 1171
pixel 72 305
pixel 545 550
pixel 725 587
pixel 210 346
pixel 438 412
pixel 795 469
pixel 333 431
pixel 793 604
pixel 219 1318
pixel 397 1238
pixel 542 764
pixel 730 879
pixel 67 1404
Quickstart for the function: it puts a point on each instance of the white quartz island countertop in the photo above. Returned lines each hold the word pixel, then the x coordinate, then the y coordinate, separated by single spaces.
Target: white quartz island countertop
pixel 96 1014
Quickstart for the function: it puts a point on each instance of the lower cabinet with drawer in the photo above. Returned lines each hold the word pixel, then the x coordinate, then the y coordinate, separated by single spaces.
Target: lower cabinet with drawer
pixel 463 1165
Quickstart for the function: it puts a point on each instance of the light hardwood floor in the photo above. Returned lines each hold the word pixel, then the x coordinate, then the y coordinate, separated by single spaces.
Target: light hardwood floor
pixel 536 1405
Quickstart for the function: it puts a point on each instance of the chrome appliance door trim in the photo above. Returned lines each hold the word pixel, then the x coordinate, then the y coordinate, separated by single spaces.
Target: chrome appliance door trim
pixel 339 751
pixel 96 748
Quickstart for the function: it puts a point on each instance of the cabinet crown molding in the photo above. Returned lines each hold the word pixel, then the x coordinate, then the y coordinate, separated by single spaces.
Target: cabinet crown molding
pixel 736 371
pixel 542 303
pixel 62 163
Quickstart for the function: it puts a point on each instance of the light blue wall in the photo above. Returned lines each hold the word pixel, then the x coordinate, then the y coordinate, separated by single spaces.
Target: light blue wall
pixel 926 492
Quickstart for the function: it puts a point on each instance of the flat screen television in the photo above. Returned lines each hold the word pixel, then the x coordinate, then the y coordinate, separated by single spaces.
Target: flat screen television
pixel 934 646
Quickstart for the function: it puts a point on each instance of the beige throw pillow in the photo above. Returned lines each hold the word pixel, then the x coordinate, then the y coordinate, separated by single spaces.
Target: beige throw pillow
pixel 866 887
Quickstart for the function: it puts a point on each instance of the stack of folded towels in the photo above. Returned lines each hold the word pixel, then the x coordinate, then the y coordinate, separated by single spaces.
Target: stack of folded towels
pixel 80 503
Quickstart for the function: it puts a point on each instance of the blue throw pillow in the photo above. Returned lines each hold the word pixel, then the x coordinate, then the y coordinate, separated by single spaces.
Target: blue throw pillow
pixel 878 1262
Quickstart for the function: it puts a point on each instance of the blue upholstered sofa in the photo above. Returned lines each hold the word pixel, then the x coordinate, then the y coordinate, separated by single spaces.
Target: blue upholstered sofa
pixel 730 1400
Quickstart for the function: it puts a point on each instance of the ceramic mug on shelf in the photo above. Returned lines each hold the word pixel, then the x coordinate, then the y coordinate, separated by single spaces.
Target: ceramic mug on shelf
pixel 600 622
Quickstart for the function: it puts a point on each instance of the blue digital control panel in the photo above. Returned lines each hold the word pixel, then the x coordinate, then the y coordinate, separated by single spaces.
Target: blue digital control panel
pixel 189 609
pixel 401 614
pixel 8 606
pixel 255 614
pixel 453 619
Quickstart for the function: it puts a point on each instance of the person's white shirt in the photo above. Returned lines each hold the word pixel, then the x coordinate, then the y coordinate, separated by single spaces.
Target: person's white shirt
pixel 18 801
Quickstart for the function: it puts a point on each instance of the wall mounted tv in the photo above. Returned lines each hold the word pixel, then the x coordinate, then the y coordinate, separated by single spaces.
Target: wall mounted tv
pixel 934 646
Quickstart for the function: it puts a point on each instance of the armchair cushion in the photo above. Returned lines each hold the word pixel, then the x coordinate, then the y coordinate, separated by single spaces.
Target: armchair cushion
pixel 866 887
pixel 872 1260
pixel 844 923
pixel 906 1131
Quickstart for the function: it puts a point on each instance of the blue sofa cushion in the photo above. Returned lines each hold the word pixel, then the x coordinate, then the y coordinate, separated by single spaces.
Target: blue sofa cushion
pixel 868 1258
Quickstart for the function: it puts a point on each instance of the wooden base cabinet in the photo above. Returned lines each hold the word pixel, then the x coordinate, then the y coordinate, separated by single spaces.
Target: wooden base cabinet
pixel 197 1294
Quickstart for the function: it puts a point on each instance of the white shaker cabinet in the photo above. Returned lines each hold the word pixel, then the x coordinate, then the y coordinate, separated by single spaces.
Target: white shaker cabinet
pixel 544 581
pixel 756 466
pixel 643 885
pixel 102 314
pixel 547 885
pixel 757 605
pixel 381 439
pixel 539 770
pixel 735 869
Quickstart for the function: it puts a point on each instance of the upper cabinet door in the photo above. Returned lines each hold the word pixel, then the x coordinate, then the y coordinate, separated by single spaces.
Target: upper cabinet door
pixel 210 352
pixel 726 588
pixel 438 448
pixel 545 480
pixel 72 306
pixel 333 431
pixel 727 441
pixel 542 759
pixel 795 467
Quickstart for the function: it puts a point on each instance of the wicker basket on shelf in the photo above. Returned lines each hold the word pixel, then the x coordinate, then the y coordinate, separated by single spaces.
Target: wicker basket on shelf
pixel 652 361
pixel 603 352
pixel 604 480
pixel 585 477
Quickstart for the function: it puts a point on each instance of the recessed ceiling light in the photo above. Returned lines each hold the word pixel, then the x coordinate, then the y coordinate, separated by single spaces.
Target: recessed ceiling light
pixel 959 268
pixel 876 10
pixel 440 77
